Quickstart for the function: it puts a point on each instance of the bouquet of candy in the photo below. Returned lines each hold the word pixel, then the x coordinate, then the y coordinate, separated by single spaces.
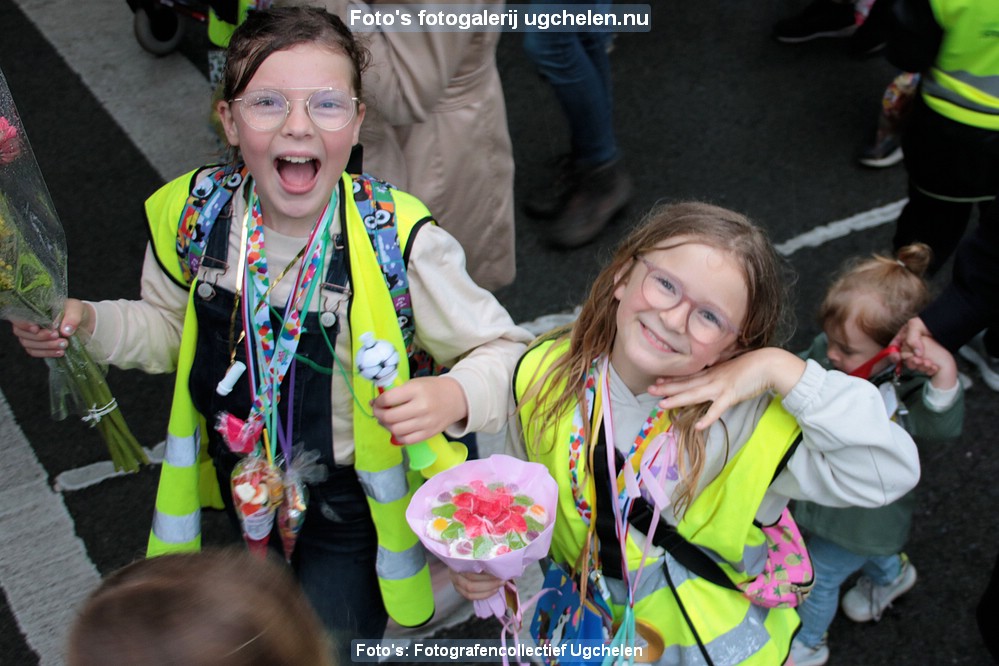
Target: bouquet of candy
pixel 494 515
pixel 33 287
pixel 480 521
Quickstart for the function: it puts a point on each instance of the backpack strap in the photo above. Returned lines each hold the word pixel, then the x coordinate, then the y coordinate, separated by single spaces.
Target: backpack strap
pixel 376 206
pixel 209 199
pixel 373 198
pixel 666 535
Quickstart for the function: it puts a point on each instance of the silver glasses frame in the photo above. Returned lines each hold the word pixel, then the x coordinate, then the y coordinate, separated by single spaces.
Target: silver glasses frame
pixel 287 109
pixel 651 269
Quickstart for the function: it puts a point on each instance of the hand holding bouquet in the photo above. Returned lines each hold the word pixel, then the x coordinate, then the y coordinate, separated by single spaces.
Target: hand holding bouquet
pixel 494 515
pixel 33 287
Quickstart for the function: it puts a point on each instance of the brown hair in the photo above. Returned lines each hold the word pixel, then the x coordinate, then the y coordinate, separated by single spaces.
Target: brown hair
pixel 213 608
pixel 895 289
pixel 279 29
pixel 593 333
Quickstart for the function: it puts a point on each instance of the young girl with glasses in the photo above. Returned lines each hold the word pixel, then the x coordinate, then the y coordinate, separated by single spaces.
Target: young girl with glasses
pixel 672 361
pixel 863 309
pixel 292 247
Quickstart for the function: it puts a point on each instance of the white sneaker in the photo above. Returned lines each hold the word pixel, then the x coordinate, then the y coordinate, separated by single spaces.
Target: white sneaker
pixel 802 655
pixel 867 601
pixel 974 352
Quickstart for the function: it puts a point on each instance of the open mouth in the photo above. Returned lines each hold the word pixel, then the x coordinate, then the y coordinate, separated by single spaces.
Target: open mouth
pixel 297 174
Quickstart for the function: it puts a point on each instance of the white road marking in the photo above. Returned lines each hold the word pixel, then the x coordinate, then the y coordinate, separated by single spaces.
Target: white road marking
pixel 828 232
pixel 43 584
pixel 162 104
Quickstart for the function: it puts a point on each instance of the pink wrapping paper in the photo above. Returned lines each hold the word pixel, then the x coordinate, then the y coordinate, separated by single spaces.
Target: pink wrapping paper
pixel 529 478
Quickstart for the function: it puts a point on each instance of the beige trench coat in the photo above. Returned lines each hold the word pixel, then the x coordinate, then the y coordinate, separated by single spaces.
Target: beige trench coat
pixel 436 127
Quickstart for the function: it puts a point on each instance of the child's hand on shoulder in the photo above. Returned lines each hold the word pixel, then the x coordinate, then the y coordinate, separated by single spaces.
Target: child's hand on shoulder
pixel 936 362
pixel 420 408
pixel 731 382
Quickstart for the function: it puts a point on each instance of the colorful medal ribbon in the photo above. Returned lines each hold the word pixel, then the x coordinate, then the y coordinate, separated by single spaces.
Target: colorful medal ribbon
pixel 272 355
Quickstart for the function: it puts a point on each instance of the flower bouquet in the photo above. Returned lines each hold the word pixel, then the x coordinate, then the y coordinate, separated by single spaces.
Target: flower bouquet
pixel 494 515
pixel 33 287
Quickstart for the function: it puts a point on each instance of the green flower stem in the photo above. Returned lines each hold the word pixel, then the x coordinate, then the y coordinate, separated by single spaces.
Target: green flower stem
pixel 92 394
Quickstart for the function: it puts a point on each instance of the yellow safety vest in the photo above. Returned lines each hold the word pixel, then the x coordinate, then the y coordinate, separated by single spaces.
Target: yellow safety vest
pixel 963 83
pixel 403 574
pixel 733 630
pixel 220 31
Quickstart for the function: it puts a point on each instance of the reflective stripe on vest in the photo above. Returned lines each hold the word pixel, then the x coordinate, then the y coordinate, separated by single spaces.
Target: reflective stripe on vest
pixel 181 451
pixel 177 529
pixel 384 486
pixel 174 521
pixel 400 565
pixel 725 620
pixel 738 644
pixel 963 83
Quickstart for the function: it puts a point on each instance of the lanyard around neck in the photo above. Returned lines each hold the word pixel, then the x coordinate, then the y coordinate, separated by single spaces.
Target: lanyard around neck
pixel 603 411
pixel 864 371
pixel 272 353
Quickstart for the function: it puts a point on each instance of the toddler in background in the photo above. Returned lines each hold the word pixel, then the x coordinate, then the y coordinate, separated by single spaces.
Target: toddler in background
pixel 863 309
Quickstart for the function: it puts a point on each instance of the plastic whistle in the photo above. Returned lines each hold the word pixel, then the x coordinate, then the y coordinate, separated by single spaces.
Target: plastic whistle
pixel 232 376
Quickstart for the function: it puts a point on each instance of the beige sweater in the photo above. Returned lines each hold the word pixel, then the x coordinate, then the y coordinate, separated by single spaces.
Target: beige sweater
pixel 462 325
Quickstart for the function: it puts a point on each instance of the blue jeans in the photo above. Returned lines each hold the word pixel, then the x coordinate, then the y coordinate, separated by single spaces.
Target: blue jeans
pixel 335 561
pixel 577 66
pixel 834 564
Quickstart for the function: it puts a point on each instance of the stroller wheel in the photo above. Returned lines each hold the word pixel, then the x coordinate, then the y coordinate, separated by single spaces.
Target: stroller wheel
pixel 158 31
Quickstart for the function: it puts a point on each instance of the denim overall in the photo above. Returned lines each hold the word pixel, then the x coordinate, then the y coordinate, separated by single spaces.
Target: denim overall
pixel 334 558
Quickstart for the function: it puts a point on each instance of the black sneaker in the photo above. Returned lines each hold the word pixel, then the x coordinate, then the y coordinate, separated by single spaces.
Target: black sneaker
pixel 822 18
pixel 867 41
pixel 886 151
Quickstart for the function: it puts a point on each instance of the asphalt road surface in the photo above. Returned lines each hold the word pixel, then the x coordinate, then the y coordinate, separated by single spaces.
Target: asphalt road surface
pixel 707 107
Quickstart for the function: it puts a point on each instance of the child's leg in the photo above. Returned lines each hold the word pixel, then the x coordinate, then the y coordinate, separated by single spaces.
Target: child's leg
pixel 885 579
pixel 883 569
pixel 833 564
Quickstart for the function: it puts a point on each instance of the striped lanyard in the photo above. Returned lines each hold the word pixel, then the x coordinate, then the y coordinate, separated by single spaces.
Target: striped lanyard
pixel 271 355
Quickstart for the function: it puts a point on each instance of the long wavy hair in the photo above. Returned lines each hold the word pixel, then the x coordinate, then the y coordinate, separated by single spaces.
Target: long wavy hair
pixel 592 334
